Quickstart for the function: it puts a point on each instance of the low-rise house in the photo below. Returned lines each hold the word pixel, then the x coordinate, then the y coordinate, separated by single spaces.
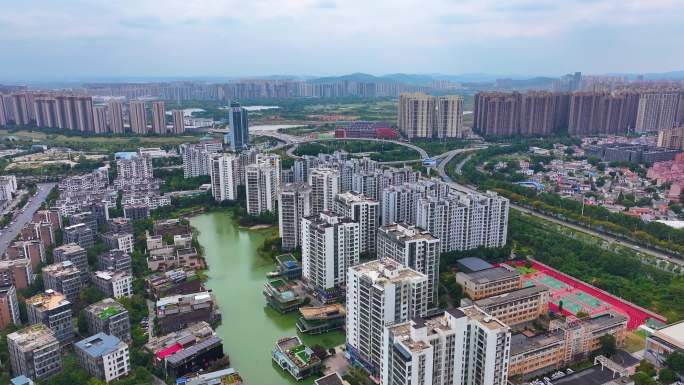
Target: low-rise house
pixel 664 341
pixel 515 307
pixel 185 351
pixel 220 377
pixel 178 311
pixel 281 296
pixel 173 282
pixel 321 319
pixel 489 282
pixel 295 358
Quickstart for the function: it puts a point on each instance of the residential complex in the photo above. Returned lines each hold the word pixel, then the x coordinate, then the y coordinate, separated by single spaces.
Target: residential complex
pixel 9 307
pixel 325 185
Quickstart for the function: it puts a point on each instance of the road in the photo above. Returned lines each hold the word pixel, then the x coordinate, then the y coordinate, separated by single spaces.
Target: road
pixel 605 237
pixel 11 231
pixel 292 140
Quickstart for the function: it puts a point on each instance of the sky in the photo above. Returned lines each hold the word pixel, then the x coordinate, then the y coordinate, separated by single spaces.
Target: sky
pixel 82 39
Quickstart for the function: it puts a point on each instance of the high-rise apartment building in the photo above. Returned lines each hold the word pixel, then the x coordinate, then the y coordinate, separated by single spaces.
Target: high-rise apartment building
pixel 54 311
pixel 416 114
pixel 330 245
pixel 657 110
pixel 365 212
pixel 448 118
pixel 116 119
pixel 223 172
pixel 45 108
pixel 136 167
pixel 399 203
pixel 9 307
pixel 63 277
pixel 137 117
pixel 465 221
pixel 380 293
pixel 294 204
pixel 672 138
pixel 497 113
pixel 197 157
pixel 158 118
pixel 84 113
pixel 34 352
pixel 178 121
pixel 75 254
pixel 424 116
pixel 262 181
pixel 239 127
pixel 20 105
pixel 100 119
pixel 461 346
pixel 4 119
pixel 325 185
pixel 414 248
pixel 537 113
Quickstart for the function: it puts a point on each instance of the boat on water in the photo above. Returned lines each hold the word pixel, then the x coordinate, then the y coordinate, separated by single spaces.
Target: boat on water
pixel 273 274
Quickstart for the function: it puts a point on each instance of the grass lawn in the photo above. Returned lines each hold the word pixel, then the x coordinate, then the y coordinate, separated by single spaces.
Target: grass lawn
pixel 634 342
pixel 524 270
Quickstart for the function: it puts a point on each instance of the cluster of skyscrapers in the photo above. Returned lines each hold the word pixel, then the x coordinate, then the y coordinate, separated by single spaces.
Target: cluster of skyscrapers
pixel 252 89
pixel 79 113
pixel 427 117
pixel 538 113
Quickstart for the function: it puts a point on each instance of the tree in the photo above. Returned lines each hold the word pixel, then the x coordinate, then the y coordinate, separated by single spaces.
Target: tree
pixel 675 361
pixel 667 376
pixel 608 345
pixel 641 378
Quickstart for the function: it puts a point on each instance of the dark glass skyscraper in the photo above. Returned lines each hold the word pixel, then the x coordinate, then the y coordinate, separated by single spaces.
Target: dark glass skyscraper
pixel 239 127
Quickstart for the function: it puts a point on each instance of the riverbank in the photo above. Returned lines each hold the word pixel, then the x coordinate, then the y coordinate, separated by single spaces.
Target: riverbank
pixel 236 275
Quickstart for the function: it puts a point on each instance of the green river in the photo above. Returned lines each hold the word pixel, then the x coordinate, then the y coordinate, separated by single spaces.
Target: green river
pixel 236 276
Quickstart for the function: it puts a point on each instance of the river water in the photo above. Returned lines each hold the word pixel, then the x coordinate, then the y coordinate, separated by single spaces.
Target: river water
pixel 236 276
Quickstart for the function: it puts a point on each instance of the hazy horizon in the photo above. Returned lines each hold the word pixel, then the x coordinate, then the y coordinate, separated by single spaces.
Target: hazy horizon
pixel 75 40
